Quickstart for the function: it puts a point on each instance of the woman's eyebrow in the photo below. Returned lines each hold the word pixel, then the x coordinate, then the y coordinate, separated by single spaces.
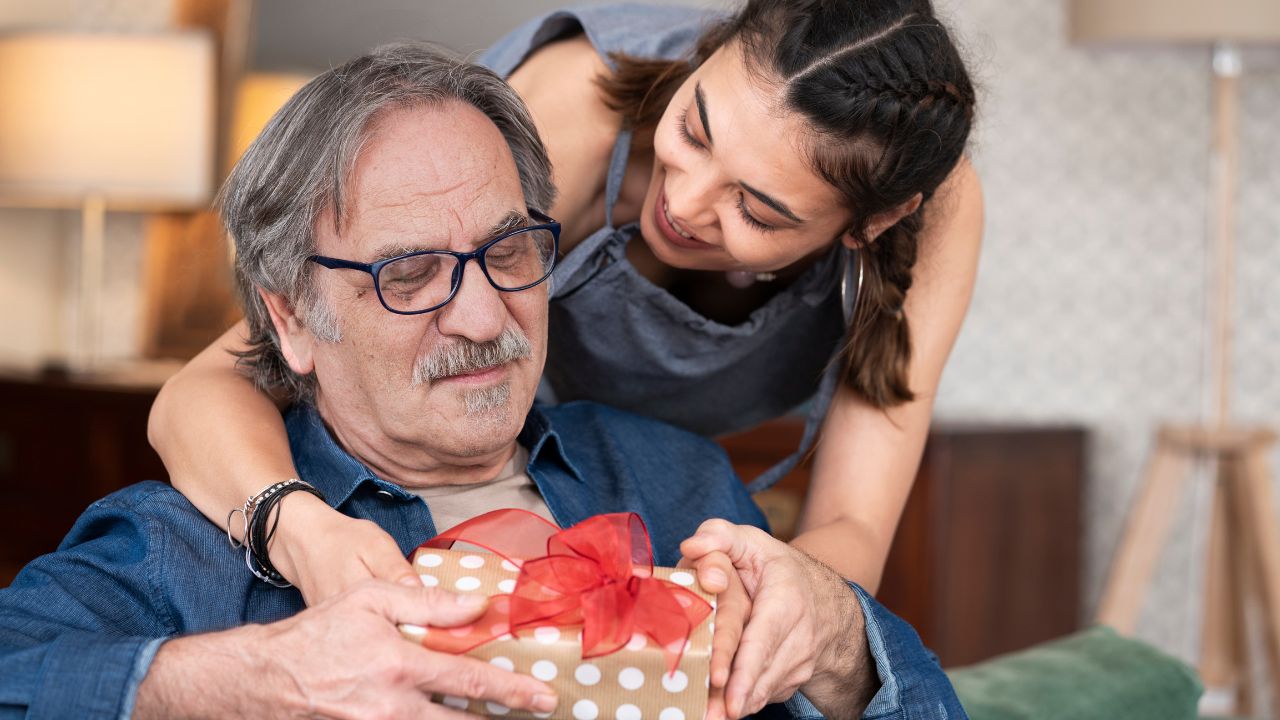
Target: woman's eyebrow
pixel 774 203
pixel 701 101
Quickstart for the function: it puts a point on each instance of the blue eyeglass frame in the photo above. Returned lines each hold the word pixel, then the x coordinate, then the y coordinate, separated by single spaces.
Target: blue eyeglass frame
pixel 545 223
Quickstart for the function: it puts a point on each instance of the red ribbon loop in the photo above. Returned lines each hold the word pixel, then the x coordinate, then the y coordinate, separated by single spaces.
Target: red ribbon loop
pixel 597 574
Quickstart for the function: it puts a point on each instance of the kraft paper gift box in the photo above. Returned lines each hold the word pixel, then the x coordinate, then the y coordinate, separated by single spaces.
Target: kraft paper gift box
pixel 635 682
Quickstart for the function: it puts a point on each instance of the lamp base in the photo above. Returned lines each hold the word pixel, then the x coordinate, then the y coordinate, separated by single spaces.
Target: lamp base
pixel 89 303
pixel 1244 553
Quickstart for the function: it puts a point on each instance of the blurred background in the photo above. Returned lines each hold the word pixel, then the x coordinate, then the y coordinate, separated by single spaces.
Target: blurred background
pixel 1091 327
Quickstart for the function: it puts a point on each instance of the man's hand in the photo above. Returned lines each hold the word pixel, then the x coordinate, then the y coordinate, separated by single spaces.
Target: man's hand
pixel 804 627
pixel 324 553
pixel 344 658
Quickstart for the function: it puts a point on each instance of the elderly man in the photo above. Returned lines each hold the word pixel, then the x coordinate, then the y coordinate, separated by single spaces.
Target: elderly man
pixel 393 273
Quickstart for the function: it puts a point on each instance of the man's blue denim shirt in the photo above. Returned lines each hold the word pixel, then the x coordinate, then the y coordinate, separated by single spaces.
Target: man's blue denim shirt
pixel 79 627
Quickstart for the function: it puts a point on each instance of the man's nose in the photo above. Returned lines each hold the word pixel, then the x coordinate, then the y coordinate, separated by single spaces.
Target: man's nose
pixel 477 311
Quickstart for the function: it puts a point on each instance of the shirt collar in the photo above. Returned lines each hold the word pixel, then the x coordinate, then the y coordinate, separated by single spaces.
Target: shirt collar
pixel 541 439
pixel 336 473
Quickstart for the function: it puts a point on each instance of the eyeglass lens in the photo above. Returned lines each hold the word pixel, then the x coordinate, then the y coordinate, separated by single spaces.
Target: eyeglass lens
pixel 419 282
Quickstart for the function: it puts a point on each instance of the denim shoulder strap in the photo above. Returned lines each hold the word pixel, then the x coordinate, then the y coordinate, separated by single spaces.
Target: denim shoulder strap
pixel 813 423
pixel 580 263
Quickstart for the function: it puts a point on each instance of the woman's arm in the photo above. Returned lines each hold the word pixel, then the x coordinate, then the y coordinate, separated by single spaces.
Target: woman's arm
pixel 223 441
pixel 866 463
pixel 219 437
pixel 867 457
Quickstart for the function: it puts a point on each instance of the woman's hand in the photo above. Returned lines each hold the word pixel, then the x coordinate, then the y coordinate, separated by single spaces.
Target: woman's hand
pixel 803 626
pixel 717 576
pixel 323 553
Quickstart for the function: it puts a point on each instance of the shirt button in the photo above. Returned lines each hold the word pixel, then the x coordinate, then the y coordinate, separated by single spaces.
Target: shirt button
pixel 385 493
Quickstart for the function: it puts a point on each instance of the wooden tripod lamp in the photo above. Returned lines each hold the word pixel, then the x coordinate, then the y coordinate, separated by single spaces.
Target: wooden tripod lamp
pixel 1244 553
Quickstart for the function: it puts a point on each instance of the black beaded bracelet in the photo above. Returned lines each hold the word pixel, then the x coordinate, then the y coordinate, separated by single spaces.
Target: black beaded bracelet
pixel 261 515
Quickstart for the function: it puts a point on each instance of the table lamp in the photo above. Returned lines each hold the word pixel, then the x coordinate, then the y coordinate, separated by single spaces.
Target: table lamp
pixel 258 96
pixel 96 121
pixel 1244 551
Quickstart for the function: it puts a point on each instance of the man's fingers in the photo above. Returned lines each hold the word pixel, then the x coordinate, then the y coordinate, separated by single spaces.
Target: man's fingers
pixel 396 703
pixel 779 679
pixel 440 711
pixel 762 636
pixel 459 676
pixel 423 605
pixel 747 666
pixel 404 703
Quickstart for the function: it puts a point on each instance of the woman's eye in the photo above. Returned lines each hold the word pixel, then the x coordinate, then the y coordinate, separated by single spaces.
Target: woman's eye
pixel 686 135
pixel 750 219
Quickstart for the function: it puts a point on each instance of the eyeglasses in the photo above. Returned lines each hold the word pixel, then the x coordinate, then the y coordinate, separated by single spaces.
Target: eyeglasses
pixel 427 280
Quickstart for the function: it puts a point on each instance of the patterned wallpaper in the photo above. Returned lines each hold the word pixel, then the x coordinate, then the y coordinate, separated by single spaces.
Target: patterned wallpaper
pixel 1091 299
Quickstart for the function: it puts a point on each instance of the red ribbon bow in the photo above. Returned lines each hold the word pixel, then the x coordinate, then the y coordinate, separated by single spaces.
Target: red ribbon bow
pixel 597 574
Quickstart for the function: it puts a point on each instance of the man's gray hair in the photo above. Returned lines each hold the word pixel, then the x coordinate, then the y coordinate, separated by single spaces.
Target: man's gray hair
pixel 301 163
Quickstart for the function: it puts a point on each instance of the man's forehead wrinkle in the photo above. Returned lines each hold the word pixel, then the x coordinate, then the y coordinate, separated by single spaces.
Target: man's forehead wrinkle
pixel 481 190
pixel 405 243
pixel 406 195
pixel 457 219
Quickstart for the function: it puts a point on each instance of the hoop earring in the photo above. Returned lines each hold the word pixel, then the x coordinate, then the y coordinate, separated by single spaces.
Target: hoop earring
pixel 848 302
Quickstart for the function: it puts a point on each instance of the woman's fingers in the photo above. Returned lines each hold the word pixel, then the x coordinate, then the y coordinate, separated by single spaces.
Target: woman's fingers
pixel 344 553
pixel 382 558
pixel 712 536
pixel 715 705
pixel 713 571
pixel 747 547
pixel 733 607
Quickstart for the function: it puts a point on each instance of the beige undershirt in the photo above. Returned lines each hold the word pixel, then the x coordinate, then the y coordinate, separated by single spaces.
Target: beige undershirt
pixel 512 488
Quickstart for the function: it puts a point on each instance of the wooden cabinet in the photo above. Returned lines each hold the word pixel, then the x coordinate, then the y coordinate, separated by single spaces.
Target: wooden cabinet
pixel 64 445
pixel 986 558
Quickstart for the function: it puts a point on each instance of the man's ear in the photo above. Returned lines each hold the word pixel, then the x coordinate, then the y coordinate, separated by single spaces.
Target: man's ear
pixel 296 340
pixel 885 220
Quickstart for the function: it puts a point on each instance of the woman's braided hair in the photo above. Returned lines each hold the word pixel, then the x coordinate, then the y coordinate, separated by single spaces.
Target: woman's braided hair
pixel 890 103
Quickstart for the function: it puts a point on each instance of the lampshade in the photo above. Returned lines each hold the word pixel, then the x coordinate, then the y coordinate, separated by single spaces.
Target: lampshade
pixel 1175 21
pixel 258 97
pixel 127 118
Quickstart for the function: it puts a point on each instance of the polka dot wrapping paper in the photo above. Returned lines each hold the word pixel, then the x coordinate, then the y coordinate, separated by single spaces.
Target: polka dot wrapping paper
pixel 630 684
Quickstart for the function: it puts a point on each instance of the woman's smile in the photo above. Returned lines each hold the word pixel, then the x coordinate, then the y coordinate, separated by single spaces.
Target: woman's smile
pixel 670 228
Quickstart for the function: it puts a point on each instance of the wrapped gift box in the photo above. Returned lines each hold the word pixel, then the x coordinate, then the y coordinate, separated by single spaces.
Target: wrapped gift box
pixel 632 683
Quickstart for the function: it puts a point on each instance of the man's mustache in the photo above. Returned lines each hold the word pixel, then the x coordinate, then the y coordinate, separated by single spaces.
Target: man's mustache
pixel 464 356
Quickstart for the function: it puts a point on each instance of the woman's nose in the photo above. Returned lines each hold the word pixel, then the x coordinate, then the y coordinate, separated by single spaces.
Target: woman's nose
pixel 691 201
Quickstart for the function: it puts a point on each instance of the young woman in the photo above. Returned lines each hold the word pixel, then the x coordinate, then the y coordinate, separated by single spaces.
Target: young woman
pixel 746 203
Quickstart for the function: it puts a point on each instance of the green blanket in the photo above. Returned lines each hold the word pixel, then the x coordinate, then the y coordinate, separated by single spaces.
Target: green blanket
pixel 1092 674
